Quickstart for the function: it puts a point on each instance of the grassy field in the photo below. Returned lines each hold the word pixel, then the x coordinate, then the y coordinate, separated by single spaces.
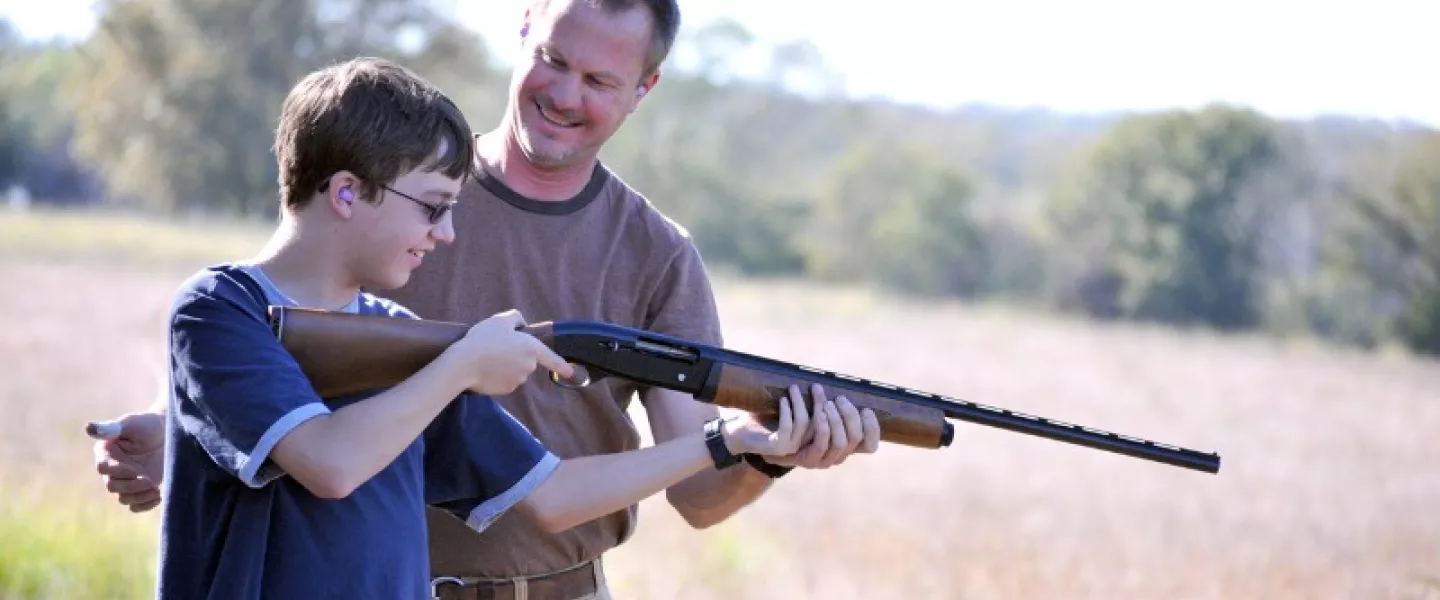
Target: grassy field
pixel 1330 486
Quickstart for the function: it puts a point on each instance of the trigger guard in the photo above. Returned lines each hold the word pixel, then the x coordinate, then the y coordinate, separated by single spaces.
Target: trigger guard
pixel 581 374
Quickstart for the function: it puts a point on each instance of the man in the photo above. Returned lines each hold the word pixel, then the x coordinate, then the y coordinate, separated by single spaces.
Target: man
pixel 550 231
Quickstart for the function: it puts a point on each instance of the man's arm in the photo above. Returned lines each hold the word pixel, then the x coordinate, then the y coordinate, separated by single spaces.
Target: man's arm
pixel 130 457
pixel 684 306
pixel 130 451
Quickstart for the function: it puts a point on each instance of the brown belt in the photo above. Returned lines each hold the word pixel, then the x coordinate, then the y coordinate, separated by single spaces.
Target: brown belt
pixel 568 584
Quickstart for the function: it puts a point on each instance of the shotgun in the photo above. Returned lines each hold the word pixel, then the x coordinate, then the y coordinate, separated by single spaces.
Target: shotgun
pixel 343 353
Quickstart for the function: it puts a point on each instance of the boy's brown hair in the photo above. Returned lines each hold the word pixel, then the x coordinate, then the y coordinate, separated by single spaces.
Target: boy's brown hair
pixel 371 117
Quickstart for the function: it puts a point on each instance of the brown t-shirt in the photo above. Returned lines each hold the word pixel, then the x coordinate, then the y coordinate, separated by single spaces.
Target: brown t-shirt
pixel 607 254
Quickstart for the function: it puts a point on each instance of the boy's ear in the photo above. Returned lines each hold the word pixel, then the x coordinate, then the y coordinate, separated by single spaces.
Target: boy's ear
pixel 342 192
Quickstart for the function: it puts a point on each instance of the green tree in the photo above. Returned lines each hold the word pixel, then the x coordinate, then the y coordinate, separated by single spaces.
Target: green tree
pixel 1163 221
pixel 13 144
pixel 36 120
pixel 1392 243
pixel 179 102
pixel 14 135
pixel 895 215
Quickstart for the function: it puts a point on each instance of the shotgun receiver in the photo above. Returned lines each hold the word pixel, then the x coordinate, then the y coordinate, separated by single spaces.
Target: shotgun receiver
pixel 344 353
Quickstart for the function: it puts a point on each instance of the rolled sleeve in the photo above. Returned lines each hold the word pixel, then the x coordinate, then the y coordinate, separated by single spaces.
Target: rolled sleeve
pixel 238 392
pixel 480 461
pixel 483 515
pixel 251 471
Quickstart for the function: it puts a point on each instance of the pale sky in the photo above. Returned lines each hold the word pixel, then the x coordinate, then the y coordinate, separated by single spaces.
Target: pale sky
pixel 1285 58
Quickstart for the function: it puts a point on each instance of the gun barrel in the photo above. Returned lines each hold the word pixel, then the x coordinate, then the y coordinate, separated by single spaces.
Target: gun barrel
pixel 1084 436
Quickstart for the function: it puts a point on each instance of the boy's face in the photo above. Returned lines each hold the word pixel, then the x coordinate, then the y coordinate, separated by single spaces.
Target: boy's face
pixel 390 238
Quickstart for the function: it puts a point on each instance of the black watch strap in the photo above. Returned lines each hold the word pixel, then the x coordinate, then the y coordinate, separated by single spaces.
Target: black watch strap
pixel 772 470
pixel 715 442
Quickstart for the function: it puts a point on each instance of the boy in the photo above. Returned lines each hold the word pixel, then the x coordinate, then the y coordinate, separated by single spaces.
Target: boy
pixel 273 492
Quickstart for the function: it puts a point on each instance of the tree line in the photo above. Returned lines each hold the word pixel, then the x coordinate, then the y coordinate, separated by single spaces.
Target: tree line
pixel 1217 216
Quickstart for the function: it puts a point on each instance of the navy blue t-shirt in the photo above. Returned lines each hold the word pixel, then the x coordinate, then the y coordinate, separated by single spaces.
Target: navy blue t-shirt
pixel 234 526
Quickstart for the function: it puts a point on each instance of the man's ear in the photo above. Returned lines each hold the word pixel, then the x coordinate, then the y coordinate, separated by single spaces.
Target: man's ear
pixel 646 84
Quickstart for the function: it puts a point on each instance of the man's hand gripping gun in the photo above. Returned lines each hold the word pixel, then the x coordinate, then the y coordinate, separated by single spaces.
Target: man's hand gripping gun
pixel 344 353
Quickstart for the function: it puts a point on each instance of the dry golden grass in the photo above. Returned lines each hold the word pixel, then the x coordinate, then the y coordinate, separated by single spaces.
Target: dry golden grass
pixel 1330 486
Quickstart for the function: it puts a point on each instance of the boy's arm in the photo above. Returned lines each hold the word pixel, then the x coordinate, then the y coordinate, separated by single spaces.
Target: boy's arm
pixel 247 403
pixel 481 462
pixel 712 496
pixel 130 454
pixel 335 453
pixel 590 487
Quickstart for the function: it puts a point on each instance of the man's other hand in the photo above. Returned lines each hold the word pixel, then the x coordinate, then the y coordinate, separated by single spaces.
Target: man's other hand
pixel 130 458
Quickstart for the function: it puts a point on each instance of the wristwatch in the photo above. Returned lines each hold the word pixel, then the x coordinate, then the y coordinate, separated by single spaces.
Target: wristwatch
pixel 759 464
pixel 715 442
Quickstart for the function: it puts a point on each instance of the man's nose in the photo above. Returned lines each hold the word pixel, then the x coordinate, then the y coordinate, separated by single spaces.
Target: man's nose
pixel 565 94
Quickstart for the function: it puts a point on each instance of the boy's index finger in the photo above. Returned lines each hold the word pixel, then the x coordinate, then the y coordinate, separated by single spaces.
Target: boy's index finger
pixel 512 317
pixel 550 360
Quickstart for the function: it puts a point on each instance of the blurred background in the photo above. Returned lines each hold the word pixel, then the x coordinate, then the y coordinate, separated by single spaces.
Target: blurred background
pixel 1212 224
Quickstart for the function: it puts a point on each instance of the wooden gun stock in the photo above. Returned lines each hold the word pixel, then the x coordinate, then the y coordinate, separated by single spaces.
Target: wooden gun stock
pixel 344 353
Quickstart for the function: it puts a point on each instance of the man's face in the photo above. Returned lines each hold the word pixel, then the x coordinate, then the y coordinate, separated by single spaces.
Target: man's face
pixel 582 78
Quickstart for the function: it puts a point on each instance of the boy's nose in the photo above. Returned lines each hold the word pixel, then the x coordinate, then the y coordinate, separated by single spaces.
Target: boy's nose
pixel 444 231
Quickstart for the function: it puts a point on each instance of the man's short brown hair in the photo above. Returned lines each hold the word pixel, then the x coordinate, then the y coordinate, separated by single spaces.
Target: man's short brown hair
pixel 664 25
pixel 371 117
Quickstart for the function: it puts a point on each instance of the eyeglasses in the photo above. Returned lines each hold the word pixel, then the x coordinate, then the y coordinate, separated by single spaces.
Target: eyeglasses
pixel 436 211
